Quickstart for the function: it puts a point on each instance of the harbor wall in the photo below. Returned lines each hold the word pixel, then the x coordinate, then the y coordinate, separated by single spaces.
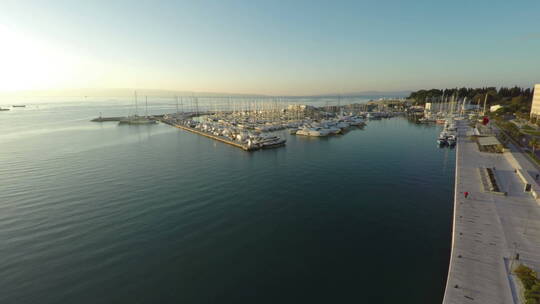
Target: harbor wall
pixel 454 220
pixel 487 228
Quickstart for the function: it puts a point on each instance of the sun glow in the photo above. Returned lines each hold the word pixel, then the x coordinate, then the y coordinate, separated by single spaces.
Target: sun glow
pixel 26 63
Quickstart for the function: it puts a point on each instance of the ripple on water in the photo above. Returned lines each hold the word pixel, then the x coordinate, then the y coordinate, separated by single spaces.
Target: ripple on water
pixel 112 214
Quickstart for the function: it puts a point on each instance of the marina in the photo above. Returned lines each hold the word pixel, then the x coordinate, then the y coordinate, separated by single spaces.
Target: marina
pixel 251 126
pixel 493 177
pixel 269 152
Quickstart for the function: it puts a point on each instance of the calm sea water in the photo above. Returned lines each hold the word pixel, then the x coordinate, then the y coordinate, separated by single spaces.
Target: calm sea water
pixel 101 213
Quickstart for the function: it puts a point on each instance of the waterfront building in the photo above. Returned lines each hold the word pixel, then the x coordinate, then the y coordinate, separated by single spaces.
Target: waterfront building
pixel 494 108
pixel 427 109
pixel 535 108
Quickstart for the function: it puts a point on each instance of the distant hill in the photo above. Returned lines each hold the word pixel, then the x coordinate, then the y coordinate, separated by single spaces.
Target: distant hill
pixel 116 92
pixel 127 92
pixel 366 93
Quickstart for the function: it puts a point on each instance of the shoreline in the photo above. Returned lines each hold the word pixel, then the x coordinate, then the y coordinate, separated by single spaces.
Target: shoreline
pixel 487 229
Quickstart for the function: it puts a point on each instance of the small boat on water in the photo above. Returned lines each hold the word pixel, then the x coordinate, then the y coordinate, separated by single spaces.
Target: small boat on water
pixel 137 120
pixel 442 141
pixel 319 132
pixel 356 121
pixel 19 106
pixel 343 125
pixel 451 140
pixel 4 109
pixel 447 137
pixel 425 120
pixel 373 115
pixel 303 131
pixel 334 130
pixel 271 142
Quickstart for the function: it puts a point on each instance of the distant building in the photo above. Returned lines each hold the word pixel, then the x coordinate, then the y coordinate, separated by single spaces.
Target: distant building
pixel 535 108
pixel 427 109
pixel 301 108
pixel 494 108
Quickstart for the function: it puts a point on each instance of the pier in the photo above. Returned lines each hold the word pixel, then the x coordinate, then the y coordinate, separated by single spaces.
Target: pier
pixel 492 233
pixel 218 138
pixel 104 119
pixel 157 117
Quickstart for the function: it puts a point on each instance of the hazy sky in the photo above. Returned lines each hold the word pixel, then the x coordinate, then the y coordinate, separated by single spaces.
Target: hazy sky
pixel 268 47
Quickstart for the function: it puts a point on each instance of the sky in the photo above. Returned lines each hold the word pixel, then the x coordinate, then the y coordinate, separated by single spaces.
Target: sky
pixel 268 47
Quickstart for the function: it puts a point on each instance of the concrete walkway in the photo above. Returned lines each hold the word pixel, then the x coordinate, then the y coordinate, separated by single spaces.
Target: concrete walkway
pixel 489 229
pixel 525 161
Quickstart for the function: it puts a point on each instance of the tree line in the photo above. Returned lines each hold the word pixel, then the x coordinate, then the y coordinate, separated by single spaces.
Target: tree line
pixel 513 99
pixel 472 94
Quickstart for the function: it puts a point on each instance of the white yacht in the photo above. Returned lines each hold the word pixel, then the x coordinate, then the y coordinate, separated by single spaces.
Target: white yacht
pixel 333 130
pixel 442 140
pixel 318 132
pixel 271 141
pixel 357 122
pixel 342 125
pixel 451 140
pixel 303 131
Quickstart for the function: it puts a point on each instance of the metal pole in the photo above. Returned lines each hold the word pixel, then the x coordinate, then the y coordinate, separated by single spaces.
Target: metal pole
pixel 485 101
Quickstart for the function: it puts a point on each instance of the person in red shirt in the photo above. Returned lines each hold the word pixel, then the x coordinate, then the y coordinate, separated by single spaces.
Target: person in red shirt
pixel 466 194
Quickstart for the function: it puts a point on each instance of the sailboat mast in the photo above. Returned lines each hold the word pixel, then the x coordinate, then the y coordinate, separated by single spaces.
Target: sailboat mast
pixel 485 101
pixel 146 105
pixel 182 104
pixel 136 106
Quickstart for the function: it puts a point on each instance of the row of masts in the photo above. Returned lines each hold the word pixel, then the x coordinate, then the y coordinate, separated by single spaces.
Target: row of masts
pixel 137 105
pixel 267 108
pixel 451 105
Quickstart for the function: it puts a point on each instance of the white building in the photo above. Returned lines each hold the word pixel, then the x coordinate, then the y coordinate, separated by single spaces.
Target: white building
pixel 494 108
pixel 535 108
